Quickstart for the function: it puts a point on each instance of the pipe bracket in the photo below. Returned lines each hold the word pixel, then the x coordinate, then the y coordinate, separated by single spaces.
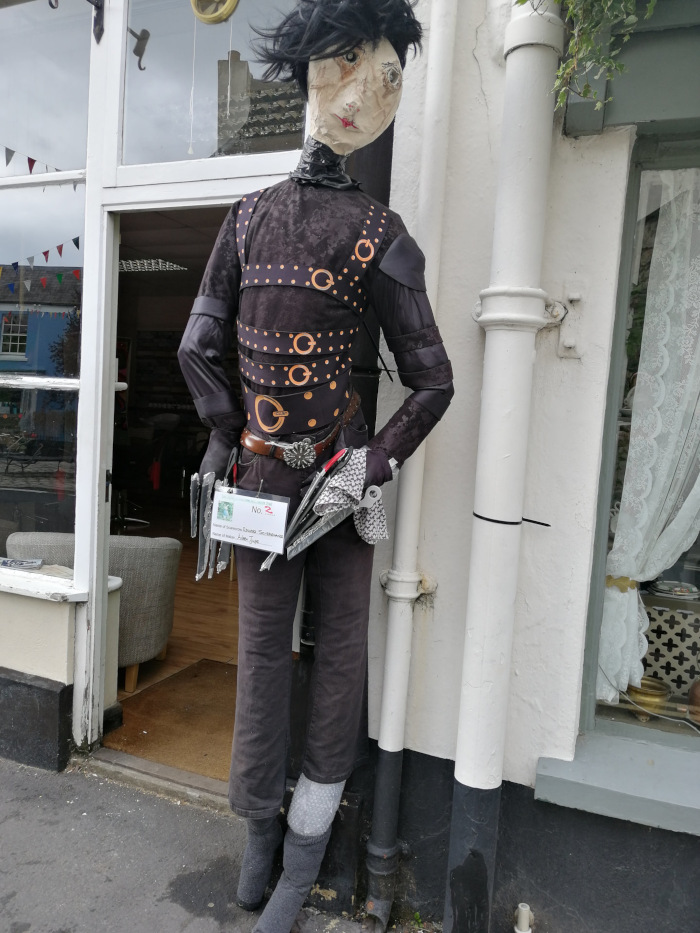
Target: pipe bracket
pixel 536 28
pixel 512 307
pixel 406 587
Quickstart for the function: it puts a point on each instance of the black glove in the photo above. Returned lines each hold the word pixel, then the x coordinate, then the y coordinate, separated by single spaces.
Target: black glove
pixel 378 468
pixel 218 452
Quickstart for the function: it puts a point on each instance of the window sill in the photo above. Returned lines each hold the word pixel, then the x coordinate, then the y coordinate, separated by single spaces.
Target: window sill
pixel 632 779
pixel 41 584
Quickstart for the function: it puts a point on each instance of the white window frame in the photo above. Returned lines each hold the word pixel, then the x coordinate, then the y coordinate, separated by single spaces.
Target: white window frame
pixel 625 770
pixel 111 188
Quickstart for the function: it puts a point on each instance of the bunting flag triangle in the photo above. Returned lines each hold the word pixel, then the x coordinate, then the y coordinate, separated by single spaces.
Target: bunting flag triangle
pixel 31 162
pixel 59 276
pixel 28 285
pixel 43 281
pixel 60 249
pixel 9 153
pixel 30 260
pixel 15 266
pixel 76 273
pixel 46 254
pixel 11 286
pixel 76 242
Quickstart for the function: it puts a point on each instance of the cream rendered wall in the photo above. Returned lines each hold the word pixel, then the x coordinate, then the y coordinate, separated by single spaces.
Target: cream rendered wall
pixel 587 193
pixel 37 636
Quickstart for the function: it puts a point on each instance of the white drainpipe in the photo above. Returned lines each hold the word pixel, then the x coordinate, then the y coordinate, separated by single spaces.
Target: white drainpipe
pixel 512 311
pixel 404 583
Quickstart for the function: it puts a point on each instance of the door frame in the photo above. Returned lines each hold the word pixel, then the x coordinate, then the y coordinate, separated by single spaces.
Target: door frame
pixel 111 189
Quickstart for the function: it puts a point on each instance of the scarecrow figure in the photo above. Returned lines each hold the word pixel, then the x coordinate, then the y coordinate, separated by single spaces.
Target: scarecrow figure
pixel 294 268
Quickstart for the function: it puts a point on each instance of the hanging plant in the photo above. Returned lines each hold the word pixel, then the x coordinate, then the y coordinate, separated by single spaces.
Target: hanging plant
pixel 597 31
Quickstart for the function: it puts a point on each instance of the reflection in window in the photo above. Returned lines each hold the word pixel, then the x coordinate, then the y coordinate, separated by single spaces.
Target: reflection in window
pixel 13 334
pixel 199 92
pixel 44 69
pixel 649 663
pixel 37 461
pixel 41 270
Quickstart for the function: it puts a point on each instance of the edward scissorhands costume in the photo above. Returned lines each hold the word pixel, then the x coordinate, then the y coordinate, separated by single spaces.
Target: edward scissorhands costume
pixel 293 270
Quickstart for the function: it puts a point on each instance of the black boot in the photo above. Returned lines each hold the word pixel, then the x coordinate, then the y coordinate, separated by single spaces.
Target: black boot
pixel 264 837
pixel 302 860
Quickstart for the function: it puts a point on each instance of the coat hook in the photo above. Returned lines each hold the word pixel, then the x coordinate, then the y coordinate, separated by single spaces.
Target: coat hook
pixel 54 6
pixel 141 43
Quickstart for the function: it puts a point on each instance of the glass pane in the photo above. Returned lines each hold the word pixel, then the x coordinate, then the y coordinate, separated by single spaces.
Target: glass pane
pixel 37 461
pixel 41 270
pixel 654 530
pixel 44 68
pixel 196 91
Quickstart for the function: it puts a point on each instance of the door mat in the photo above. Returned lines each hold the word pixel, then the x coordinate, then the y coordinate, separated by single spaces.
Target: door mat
pixel 185 721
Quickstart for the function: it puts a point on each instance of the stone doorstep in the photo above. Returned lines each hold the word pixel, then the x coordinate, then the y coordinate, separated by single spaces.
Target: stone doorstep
pixel 174 783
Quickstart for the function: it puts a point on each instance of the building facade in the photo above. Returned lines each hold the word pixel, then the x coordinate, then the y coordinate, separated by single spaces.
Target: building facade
pixel 543 553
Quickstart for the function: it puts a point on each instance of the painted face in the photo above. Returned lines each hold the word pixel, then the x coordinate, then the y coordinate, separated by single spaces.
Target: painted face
pixel 353 98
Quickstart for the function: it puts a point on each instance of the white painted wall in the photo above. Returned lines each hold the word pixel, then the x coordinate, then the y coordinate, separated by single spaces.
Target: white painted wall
pixel 587 193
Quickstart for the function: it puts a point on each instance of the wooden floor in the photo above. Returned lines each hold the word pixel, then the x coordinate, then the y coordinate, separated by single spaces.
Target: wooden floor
pixel 206 612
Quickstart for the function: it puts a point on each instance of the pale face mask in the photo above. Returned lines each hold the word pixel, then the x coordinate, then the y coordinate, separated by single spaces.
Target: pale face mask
pixel 353 98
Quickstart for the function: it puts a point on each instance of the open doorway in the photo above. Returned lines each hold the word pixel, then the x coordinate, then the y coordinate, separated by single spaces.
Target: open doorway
pixel 179 707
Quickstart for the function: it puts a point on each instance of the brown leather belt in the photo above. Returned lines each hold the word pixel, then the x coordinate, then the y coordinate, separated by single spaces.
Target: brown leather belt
pixel 301 453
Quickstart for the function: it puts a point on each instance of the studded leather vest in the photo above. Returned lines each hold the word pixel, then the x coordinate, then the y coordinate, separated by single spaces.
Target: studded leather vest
pixel 296 381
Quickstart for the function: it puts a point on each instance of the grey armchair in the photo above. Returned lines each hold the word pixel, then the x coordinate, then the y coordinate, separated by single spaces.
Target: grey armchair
pixel 148 569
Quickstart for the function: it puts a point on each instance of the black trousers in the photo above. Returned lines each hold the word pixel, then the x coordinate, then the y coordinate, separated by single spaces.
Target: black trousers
pixel 338 569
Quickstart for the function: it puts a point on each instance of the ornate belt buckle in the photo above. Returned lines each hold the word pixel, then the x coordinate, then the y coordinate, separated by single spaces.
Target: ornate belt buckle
pixel 299 454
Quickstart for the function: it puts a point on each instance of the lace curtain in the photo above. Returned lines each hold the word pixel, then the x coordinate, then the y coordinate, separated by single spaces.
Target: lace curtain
pixel 659 516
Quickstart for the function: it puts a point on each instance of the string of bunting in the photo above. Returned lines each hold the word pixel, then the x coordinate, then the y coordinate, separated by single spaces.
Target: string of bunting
pixel 37 309
pixel 11 153
pixel 11 286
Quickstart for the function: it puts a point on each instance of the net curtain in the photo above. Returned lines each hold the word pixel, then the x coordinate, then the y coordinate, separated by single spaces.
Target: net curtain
pixel 659 514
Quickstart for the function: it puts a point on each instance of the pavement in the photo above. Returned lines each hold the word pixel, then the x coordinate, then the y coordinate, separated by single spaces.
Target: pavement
pixel 84 851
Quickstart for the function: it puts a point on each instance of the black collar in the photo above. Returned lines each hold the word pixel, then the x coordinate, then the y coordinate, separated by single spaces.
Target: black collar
pixel 319 165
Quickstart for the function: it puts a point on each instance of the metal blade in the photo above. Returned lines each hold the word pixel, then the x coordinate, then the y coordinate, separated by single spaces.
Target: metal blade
pixel 224 556
pixel 312 493
pixel 205 509
pixel 194 503
pixel 312 533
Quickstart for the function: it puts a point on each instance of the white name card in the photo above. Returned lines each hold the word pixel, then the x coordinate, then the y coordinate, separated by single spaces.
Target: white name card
pixel 251 519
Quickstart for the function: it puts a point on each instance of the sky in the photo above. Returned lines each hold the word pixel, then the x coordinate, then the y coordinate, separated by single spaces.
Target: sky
pixel 44 71
pixel 158 124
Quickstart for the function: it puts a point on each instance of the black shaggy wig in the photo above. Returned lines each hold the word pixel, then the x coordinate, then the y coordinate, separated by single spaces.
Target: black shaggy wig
pixel 327 28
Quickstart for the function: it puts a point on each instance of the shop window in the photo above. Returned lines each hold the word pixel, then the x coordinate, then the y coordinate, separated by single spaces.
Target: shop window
pixel 194 90
pixel 649 659
pixel 44 67
pixel 41 269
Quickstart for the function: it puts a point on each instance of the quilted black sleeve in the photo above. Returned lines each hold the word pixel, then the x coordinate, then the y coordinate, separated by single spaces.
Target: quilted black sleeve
pixel 210 332
pixel 406 318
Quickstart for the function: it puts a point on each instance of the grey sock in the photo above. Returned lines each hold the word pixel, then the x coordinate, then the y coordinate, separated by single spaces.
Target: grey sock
pixel 264 837
pixel 302 860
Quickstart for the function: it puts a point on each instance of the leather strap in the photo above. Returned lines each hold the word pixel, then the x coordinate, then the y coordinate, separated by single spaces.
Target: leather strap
pixel 277 449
